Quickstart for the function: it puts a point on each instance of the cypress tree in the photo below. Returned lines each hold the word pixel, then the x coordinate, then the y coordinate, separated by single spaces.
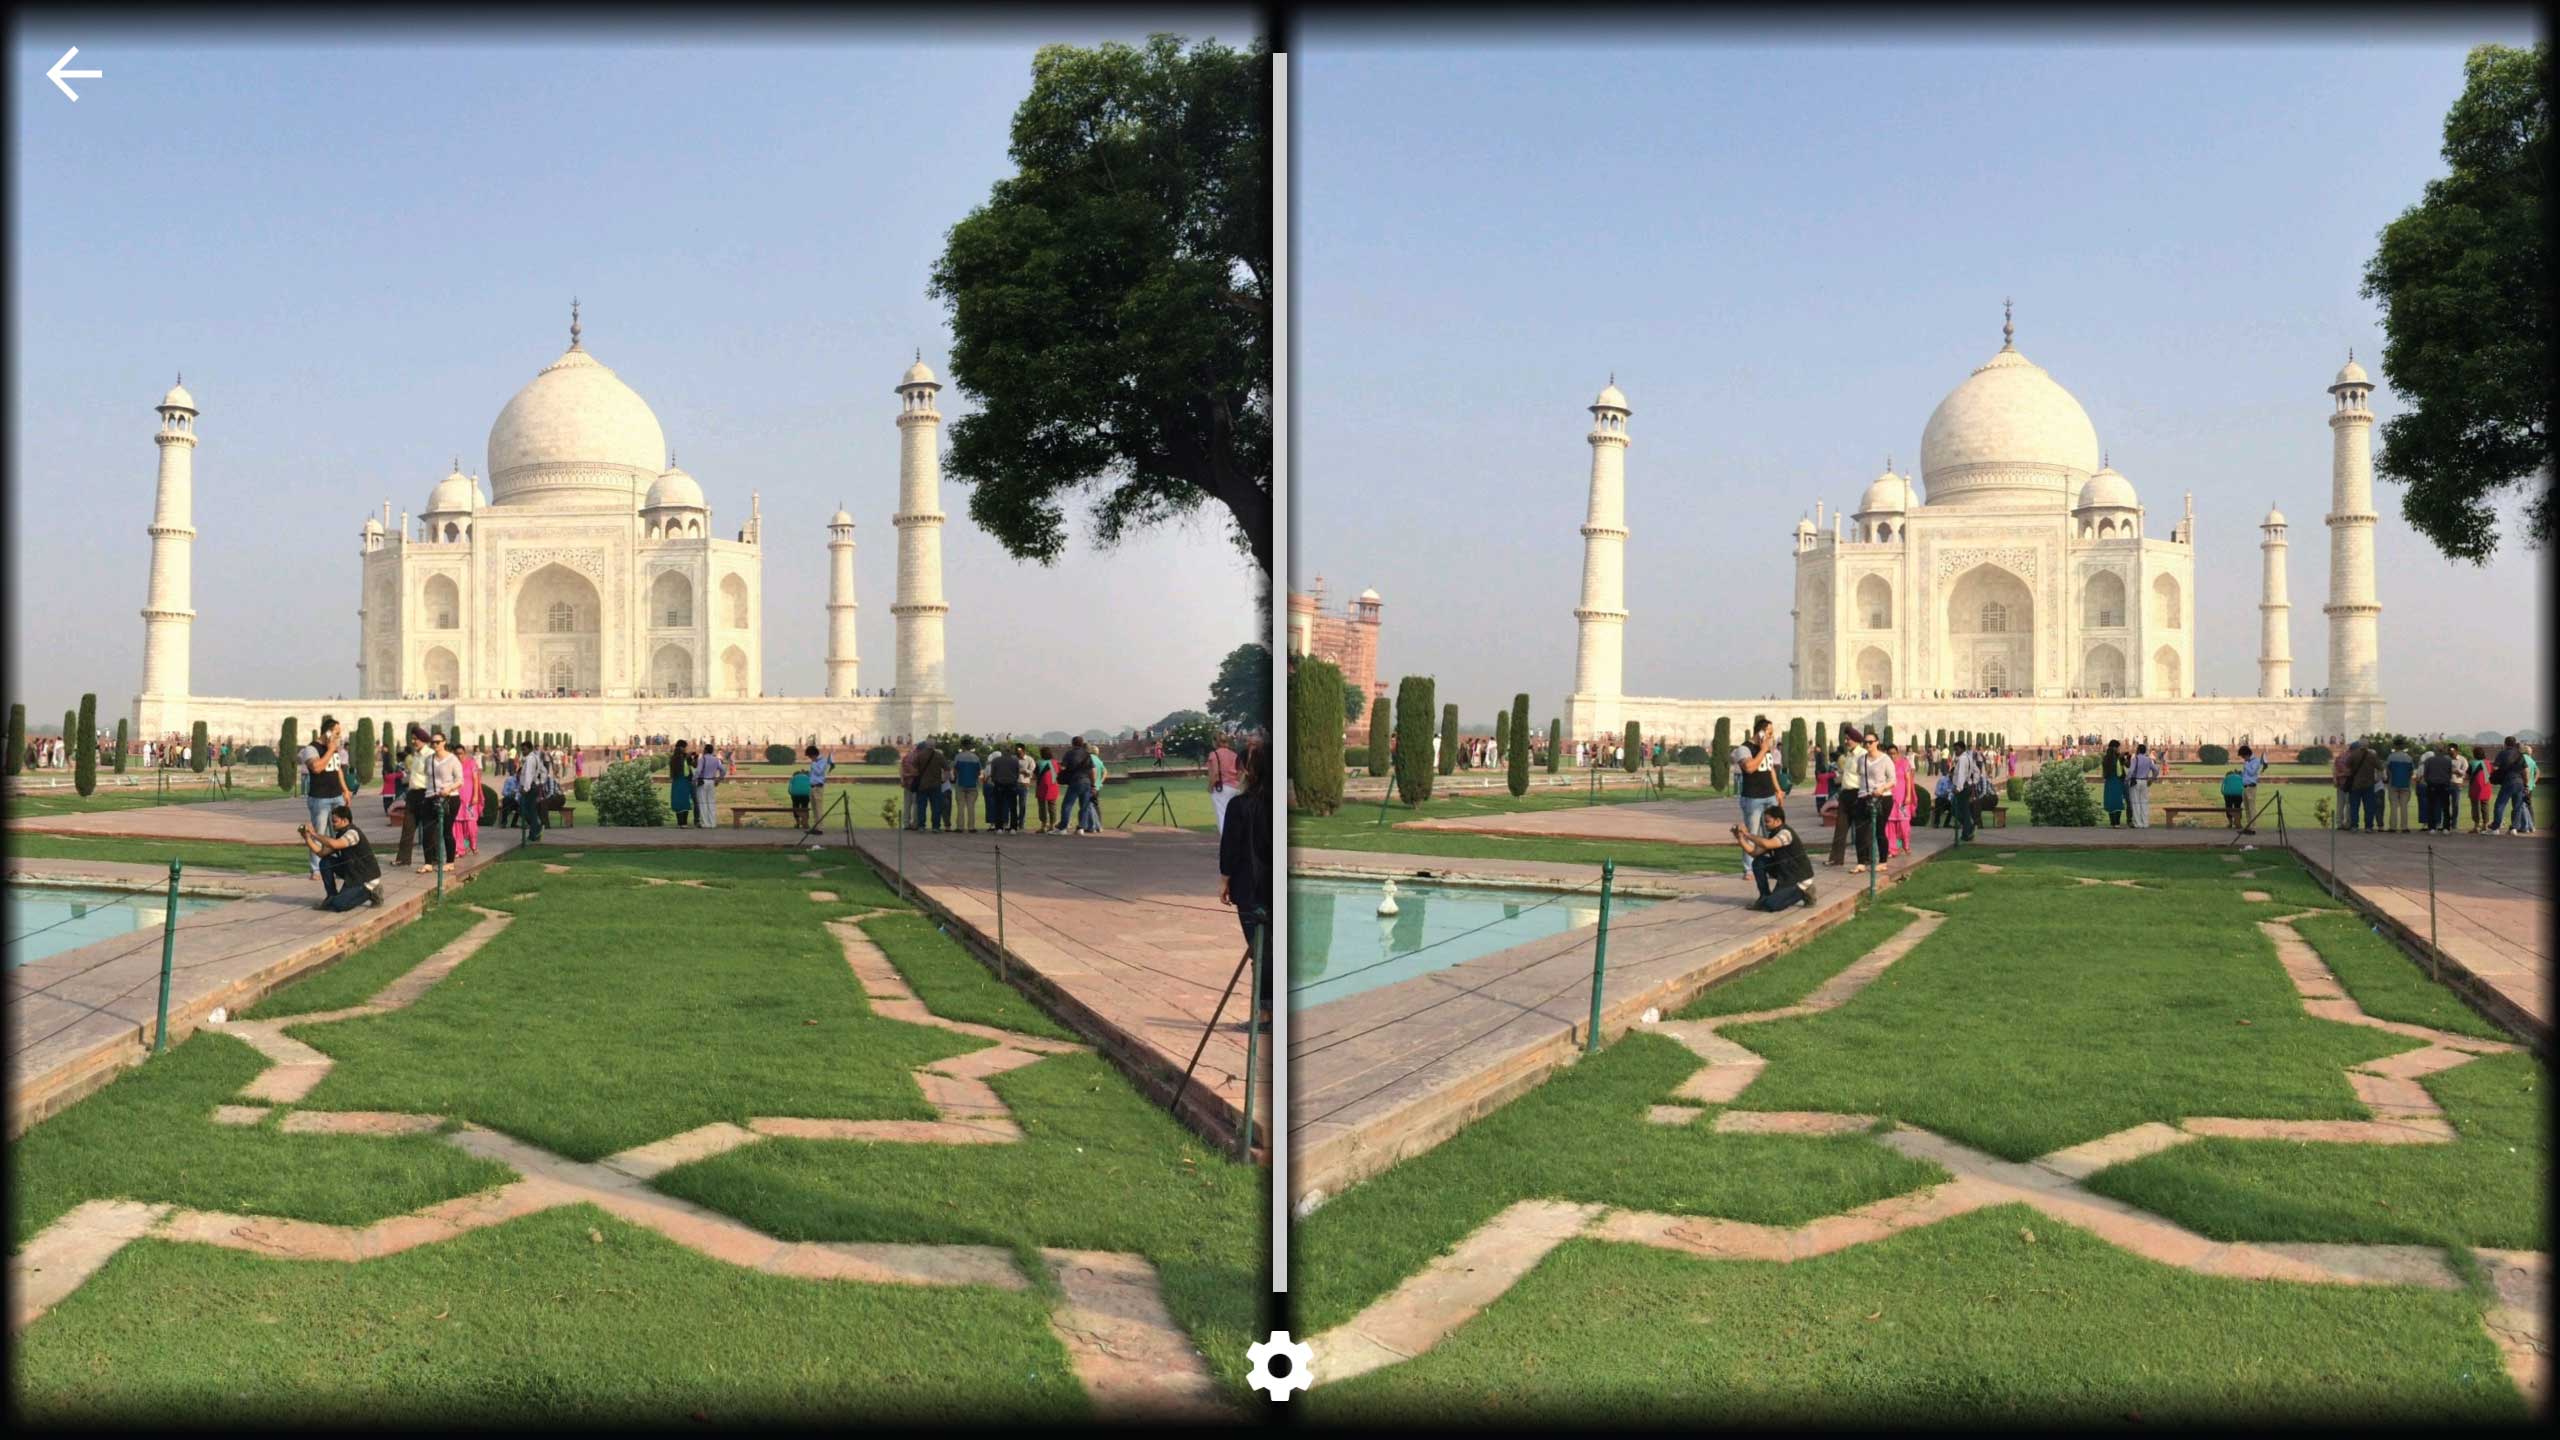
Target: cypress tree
pixel 17 740
pixel 1821 739
pixel 1315 748
pixel 360 754
pixel 1720 754
pixel 1555 746
pixel 1888 734
pixel 1414 695
pixel 1633 758
pixel 1797 771
pixel 70 726
pixel 84 764
pixel 199 748
pixel 1448 739
pixel 1382 729
pixel 285 747
pixel 121 740
pixel 1502 733
pixel 1517 757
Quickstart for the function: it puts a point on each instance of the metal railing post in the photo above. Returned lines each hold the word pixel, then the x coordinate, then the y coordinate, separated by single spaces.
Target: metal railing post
pixel 2433 953
pixel 2333 856
pixel 1002 965
pixel 1252 1040
pixel 901 866
pixel 168 957
pixel 1600 956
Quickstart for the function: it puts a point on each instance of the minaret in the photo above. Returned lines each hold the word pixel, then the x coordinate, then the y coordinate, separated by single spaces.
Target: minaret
pixel 1599 666
pixel 2354 654
pixel 2275 612
pixel 919 521
pixel 844 666
pixel 168 622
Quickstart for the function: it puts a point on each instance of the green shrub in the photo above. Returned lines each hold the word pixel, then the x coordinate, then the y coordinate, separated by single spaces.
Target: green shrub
pixel 2017 788
pixel 1720 754
pixel 199 747
pixel 582 788
pixel 488 803
pixel 1922 797
pixel 1888 734
pixel 1821 739
pixel 1690 755
pixel 1633 758
pixel 1382 729
pixel 1414 700
pixel 84 764
pixel 1315 743
pixel 1555 746
pixel 2314 755
pixel 1355 757
pixel 361 753
pixel 259 755
pixel 1448 739
pixel 1516 760
pixel 286 745
pixel 880 755
pixel 1501 733
pixel 123 740
pixel 779 755
pixel 2059 796
pixel 626 795
pixel 2213 755
pixel 1798 771
pixel 17 740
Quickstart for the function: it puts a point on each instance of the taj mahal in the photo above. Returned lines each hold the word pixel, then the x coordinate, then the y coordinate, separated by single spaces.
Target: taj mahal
pixel 587 590
pixel 2018 585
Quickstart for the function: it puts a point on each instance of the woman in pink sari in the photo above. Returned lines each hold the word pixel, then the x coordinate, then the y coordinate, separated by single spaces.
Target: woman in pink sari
pixel 1897 831
pixel 466 813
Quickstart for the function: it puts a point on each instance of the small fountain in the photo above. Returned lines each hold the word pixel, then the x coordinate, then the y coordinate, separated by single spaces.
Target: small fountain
pixel 1387 899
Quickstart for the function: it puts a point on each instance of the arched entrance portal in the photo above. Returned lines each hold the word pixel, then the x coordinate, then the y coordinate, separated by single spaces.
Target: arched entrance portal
pixel 559 632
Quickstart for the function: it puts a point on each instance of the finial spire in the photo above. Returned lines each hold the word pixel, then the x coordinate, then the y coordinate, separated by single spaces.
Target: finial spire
pixel 573 322
pixel 2008 329
pixel 919 354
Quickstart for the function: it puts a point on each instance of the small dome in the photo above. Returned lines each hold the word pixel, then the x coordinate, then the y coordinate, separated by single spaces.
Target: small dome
pixel 1611 398
pixel 454 494
pixel 178 399
pixel 1370 595
pixel 2351 374
pixel 1804 526
pixel 372 526
pixel 2274 516
pixel 2107 490
pixel 1889 495
pixel 673 490
pixel 839 518
pixel 918 374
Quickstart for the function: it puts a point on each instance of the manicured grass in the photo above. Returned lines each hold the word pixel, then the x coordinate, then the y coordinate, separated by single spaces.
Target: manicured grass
pixel 1580 1136
pixel 1962 1322
pixel 2490 1187
pixel 2385 981
pixel 198 854
pixel 613 1013
pixel 1791 975
pixel 358 977
pixel 191 791
pixel 1355 827
pixel 149 1136
pixel 2010 1029
pixel 570 1316
pixel 1097 1168
pixel 951 982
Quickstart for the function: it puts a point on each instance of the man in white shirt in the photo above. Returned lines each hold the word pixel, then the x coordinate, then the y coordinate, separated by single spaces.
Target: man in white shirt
pixel 1962 781
pixel 706 779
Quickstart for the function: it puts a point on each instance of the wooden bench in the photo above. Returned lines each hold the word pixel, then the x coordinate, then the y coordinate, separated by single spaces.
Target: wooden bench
pixel 737 813
pixel 2174 811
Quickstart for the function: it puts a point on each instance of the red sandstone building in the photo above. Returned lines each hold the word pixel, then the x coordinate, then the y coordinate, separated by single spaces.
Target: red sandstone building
pixel 1349 640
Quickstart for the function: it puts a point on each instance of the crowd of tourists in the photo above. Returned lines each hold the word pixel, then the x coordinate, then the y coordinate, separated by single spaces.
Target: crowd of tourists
pixel 2380 791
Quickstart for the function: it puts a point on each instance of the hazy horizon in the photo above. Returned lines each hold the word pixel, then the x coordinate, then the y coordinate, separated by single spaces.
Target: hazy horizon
pixel 357 250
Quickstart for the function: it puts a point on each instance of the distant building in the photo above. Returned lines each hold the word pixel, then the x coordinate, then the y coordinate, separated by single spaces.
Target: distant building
pixel 1349 640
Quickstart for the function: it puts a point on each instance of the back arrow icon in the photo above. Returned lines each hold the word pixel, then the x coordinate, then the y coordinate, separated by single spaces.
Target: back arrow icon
pixel 57 73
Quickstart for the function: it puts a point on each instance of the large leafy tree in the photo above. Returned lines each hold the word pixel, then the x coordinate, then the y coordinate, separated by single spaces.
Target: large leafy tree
pixel 1241 695
pixel 1111 302
pixel 2464 277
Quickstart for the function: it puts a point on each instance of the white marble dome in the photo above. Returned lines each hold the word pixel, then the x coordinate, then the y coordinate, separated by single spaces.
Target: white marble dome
pixel 2350 374
pixel 1370 594
pixel 839 518
pixel 2107 490
pixel 2274 516
pixel 454 494
pixel 178 399
pixel 674 490
pixel 918 374
pixel 2008 427
pixel 1889 495
pixel 1610 397
pixel 575 426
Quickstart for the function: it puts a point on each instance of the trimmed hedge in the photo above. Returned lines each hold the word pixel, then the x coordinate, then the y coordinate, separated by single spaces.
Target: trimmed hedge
pixel 1382 729
pixel 1315 748
pixel 779 755
pixel 2314 755
pixel 84 763
pixel 123 740
pixel 1631 757
pixel 1448 739
pixel 2213 755
pixel 1555 746
pixel 1690 755
pixel 1797 753
pixel 1501 733
pixel 880 755
pixel 199 747
pixel 1355 757
pixel 361 753
pixel 1414 700
pixel 1720 754
pixel 1516 759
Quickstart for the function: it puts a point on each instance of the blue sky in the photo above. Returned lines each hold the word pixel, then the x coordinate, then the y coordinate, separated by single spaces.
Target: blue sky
pixel 358 248
pixel 1789 247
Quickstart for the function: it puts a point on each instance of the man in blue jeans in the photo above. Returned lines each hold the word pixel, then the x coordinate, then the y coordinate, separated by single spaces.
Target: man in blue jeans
pixel 533 783
pixel 1780 868
pixel 2506 777
pixel 349 873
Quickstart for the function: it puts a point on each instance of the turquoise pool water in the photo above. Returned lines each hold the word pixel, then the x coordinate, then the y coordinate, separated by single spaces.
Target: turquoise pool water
pixel 47 920
pixel 1339 945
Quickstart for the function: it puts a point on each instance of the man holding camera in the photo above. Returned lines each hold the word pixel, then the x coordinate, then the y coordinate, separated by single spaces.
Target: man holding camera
pixel 349 873
pixel 1778 864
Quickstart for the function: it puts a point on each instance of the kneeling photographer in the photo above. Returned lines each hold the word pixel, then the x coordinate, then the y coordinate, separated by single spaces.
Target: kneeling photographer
pixel 349 873
pixel 1785 872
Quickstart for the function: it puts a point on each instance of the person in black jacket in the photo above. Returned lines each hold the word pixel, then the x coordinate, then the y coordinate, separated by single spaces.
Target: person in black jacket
pixel 1244 859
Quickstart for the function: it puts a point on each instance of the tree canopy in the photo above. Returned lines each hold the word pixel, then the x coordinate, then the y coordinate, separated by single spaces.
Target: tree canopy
pixel 1241 694
pixel 1111 302
pixel 2465 283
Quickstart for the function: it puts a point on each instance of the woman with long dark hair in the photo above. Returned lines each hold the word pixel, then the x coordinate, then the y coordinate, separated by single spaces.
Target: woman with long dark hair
pixel 1244 860
pixel 680 784
pixel 2111 769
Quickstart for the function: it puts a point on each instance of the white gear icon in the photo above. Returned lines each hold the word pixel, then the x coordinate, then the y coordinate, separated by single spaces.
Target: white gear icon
pixel 1299 1374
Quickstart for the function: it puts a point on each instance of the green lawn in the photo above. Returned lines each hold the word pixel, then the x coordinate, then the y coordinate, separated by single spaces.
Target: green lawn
pixel 198 854
pixel 608 1014
pixel 1355 827
pixel 191 791
pixel 2040 1014
pixel 2386 981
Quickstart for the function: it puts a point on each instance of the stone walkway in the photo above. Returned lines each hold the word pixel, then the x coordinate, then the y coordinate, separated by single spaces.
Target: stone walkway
pixel 1121 933
pixel 1133 1360
pixel 1431 1304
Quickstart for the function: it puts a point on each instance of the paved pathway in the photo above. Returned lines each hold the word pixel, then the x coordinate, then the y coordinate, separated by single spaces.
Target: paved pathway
pixel 1124 934
pixel 1134 1361
pixel 1431 1304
